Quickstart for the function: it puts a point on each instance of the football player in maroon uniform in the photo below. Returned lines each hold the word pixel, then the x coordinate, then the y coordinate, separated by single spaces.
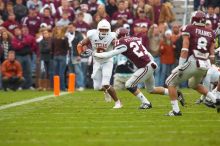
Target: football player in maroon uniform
pixel 133 49
pixel 196 56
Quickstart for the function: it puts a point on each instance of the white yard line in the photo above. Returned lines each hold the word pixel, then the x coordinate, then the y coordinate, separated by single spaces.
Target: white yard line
pixel 29 101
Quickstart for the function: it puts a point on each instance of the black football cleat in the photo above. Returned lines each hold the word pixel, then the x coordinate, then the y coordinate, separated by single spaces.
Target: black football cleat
pixel 145 106
pixel 209 103
pixel 173 113
pixel 180 98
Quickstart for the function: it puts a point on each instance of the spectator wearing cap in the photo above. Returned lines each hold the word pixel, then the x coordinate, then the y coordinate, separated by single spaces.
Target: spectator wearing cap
pixel 8 10
pixel 22 44
pixel 59 51
pixel 64 20
pixel 208 24
pixel 12 76
pixel 47 19
pixel 86 16
pixel 32 21
pixel 102 13
pixel 37 3
pixel 65 8
pixel 10 24
pixel 81 25
pixel 75 64
pixel 121 16
pixel 93 6
pixel 20 10
pixel 167 57
pixel 155 37
pixel 111 7
pixel 212 17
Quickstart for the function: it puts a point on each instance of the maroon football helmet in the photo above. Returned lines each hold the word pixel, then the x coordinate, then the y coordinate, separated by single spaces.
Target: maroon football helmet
pixel 122 32
pixel 198 18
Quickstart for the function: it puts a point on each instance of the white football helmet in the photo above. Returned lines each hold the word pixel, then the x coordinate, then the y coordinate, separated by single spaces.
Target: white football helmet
pixel 104 28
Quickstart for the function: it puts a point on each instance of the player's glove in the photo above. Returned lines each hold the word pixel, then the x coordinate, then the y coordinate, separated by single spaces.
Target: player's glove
pixel 87 53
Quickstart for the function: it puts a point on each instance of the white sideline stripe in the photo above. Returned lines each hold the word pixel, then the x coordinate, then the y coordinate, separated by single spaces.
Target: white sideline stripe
pixel 29 101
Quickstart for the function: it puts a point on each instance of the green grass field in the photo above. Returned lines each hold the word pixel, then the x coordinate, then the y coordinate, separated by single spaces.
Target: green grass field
pixel 85 119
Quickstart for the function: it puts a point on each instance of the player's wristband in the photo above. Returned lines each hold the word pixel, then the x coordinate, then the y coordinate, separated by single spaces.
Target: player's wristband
pixel 212 56
pixel 182 60
pixel 185 49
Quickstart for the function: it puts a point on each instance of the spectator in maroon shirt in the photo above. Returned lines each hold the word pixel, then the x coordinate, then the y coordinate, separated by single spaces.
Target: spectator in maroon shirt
pixel 93 6
pixel 141 31
pixel 121 16
pixel 81 25
pixel 212 17
pixel 47 18
pixel 65 7
pixel 22 45
pixel 141 19
pixel 32 21
pixel 11 23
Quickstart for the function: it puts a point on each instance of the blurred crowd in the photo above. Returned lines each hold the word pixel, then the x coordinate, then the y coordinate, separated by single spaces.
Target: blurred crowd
pixel 38 38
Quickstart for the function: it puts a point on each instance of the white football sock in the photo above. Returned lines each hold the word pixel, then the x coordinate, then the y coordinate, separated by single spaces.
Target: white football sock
pixel 211 96
pixel 175 105
pixel 166 92
pixel 142 98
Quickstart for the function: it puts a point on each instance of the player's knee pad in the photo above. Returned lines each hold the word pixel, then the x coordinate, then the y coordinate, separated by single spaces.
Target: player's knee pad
pixel 191 83
pixel 132 89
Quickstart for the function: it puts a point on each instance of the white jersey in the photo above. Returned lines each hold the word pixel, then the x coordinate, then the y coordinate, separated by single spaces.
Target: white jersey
pixel 211 78
pixel 105 43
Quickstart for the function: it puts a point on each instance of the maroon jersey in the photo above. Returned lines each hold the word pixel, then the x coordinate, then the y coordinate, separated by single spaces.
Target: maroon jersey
pixel 142 22
pixel 82 27
pixel 10 25
pixel 135 52
pixel 48 20
pixel 201 39
pixel 124 14
pixel 93 8
pixel 33 24
pixel 70 12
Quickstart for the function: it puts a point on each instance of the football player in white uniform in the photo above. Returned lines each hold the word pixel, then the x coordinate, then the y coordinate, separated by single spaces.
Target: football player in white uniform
pixel 210 81
pixel 101 40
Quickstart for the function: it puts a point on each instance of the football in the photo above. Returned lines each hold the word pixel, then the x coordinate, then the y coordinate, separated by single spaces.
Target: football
pixel 100 50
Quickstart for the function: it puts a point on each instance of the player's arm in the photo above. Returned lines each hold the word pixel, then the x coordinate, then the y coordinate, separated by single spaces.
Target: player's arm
pixel 81 44
pixel 185 50
pixel 118 50
pixel 212 53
